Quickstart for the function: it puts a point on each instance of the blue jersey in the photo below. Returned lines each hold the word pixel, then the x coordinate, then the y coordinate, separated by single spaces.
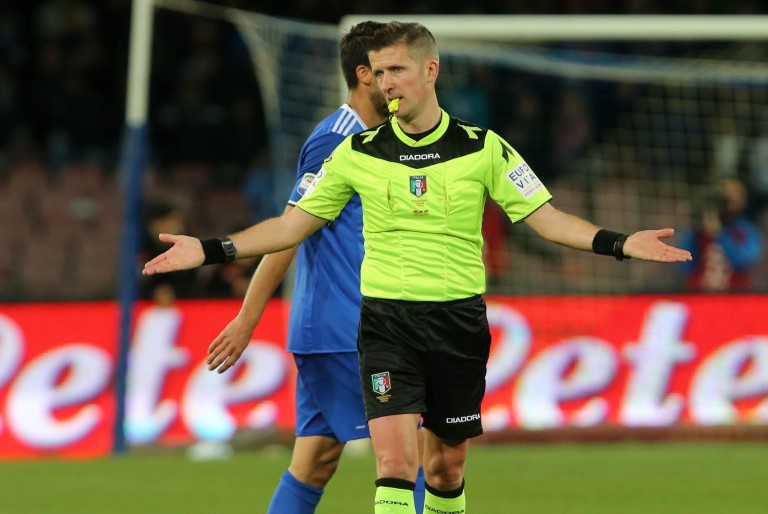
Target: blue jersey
pixel 325 308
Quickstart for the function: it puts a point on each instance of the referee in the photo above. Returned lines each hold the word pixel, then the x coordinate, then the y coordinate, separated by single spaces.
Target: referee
pixel 423 178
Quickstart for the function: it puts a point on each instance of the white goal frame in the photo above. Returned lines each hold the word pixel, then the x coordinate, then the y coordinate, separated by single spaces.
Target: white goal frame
pixel 620 27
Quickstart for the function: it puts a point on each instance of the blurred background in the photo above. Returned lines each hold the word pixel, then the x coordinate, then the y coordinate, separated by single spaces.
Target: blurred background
pixel 627 149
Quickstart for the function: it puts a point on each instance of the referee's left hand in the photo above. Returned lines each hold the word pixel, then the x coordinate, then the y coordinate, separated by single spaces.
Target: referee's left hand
pixel 647 245
pixel 186 253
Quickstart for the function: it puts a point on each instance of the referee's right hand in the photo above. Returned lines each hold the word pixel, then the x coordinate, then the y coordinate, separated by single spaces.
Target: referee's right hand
pixel 186 253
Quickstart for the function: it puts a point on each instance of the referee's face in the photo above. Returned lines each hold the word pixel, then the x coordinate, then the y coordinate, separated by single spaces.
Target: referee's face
pixel 403 74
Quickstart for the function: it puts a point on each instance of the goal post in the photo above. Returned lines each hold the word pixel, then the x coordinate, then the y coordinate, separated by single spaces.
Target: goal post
pixel 133 163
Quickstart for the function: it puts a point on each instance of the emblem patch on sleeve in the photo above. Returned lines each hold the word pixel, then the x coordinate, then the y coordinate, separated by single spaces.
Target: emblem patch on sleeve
pixel 305 182
pixel 313 183
pixel 525 180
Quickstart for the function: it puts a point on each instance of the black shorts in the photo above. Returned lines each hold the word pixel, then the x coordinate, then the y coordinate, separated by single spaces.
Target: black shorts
pixel 428 358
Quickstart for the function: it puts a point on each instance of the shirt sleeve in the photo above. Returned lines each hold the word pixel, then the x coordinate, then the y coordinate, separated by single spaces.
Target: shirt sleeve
pixel 332 188
pixel 311 158
pixel 511 182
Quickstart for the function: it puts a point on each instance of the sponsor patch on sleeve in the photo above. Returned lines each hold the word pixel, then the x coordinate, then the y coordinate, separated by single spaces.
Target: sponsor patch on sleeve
pixel 525 180
pixel 312 183
pixel 305 182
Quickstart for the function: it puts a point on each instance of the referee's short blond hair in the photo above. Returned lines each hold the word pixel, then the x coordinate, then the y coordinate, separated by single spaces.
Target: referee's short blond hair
pixel 415 36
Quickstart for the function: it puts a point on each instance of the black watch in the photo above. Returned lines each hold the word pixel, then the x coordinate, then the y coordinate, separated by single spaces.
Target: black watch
pixel 230 252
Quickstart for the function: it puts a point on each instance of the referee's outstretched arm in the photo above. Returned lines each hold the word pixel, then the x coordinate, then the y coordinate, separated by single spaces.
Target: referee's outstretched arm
pixel 269 236
pixel 569 230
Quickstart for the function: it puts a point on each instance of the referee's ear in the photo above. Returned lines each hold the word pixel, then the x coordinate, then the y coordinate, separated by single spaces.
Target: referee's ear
pixel 433 70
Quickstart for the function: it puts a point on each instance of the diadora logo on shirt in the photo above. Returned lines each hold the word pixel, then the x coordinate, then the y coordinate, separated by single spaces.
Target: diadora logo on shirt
pixel 419 157
pixel 463 419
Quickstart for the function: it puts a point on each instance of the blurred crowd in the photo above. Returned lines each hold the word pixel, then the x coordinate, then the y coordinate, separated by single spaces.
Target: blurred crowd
pixel 62 94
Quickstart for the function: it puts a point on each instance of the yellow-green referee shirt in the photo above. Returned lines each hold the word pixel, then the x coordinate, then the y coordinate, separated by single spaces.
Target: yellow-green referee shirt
pixel 423 204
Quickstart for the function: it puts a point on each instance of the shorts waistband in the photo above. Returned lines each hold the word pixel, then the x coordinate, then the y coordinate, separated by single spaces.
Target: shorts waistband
pixel 418 303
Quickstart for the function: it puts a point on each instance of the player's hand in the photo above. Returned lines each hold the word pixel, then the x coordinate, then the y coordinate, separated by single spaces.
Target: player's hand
pixel 647 245
pixel 186 253
pixel 228 346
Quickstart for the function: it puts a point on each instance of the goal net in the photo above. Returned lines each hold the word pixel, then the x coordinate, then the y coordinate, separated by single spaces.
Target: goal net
pixel 624 130
pixel 630 136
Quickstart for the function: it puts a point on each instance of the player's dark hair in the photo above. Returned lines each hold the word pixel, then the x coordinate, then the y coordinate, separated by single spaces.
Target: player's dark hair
pixel 413 35
pixel 354 49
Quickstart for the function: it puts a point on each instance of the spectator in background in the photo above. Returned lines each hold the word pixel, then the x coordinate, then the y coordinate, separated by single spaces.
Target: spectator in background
pixel 572 129
pixel 726 143
pixel 725 244
pixel 259 187
pixel 758 170
pixel 189 124
pixel 9 112
pixel 524 119
pixel 65 18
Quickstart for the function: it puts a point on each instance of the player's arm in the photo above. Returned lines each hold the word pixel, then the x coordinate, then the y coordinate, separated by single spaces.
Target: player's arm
pixel 568 230
pixel 270 236
pixel 230 344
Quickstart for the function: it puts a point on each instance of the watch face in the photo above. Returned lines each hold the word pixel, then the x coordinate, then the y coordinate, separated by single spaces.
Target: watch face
pixel 229 249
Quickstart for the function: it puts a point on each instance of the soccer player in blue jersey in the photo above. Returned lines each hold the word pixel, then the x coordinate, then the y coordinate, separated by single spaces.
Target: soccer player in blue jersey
pixel 326 303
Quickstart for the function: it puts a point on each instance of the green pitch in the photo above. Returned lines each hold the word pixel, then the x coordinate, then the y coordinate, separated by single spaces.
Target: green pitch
pixel 641 478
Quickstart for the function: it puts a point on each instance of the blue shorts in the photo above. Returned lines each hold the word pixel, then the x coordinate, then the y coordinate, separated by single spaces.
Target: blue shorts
pixel 329 400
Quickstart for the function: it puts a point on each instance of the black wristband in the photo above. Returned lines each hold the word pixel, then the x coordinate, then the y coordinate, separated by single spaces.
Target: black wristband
pixel 218 250
pixel 607 242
